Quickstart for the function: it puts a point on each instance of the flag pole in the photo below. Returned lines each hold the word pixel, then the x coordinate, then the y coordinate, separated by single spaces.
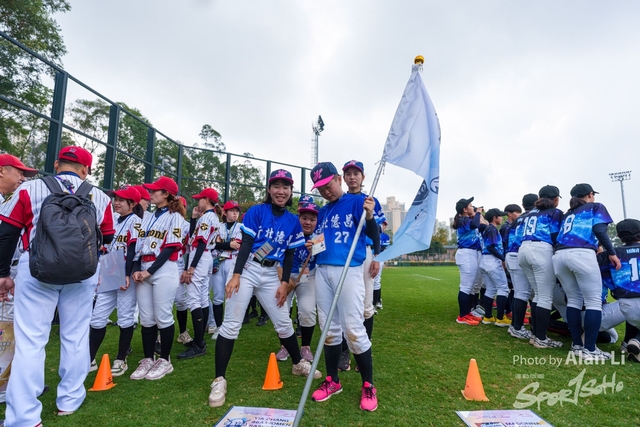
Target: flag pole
pixel 334 303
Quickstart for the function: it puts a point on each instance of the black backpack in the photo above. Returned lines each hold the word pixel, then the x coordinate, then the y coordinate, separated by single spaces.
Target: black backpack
pixel 68 237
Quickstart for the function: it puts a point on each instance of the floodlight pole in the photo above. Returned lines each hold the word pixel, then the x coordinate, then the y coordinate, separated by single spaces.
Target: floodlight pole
pixel 621 177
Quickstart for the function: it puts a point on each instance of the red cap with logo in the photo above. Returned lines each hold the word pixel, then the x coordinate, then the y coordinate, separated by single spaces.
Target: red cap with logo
pixel 128 192
pixel 209 193
pixel 13 161
pixel 144 194
pixel 231 204
pixel 76 155
pixel 163 183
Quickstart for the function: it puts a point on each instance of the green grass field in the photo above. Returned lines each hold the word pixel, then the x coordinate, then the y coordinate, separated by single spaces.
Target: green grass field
pixel 421 357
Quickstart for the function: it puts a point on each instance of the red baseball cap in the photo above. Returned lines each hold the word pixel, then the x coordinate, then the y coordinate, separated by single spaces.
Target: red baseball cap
pixel 144 194
pixel 231 204
pixel 163 183
pixel 183 200
pixel 76 155
pixel 13 161
pixel 209 193
pixel 128 192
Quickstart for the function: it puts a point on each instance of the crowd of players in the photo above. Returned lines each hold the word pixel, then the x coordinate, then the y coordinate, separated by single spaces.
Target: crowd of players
pixel 550 261
pixel 212 267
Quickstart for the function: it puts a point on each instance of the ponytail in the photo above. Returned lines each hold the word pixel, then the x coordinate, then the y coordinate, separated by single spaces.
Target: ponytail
pixel 456 222
pixel 544 203
pixel 137 209
pixel 175 205
pixel 575 203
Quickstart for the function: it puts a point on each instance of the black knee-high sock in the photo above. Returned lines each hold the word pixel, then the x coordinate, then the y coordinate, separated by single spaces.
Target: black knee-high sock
pixel 473 302
pixel 198 326
pixel 574 322
pixel 254 303
pixel 376 296
pixel 96 336
pixel 509 307
pixel 218 312
pixel 463 303
pixel 344 345
pixel 501 305
pixel 365 365
pixel 149 340
pixel 166 341
pixel 487 303
pixel 543 317
pixel 224 348
pixel 307 334
pixel 291 344
pixel 181 315
pixel 630 332
pixel 205 316
pixel 532 318
pixel 332 359
pixel 368 325
pixel 482 291
pixel 519 310
pixel 124 342
pixel 592 322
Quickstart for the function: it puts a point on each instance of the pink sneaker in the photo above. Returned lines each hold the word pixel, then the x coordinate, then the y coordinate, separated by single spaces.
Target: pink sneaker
pixel 305 352
pixel 368 401
pixel 282 355
pixel 326 390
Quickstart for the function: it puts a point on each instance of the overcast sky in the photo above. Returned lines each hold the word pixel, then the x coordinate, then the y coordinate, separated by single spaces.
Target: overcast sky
pixel 528 93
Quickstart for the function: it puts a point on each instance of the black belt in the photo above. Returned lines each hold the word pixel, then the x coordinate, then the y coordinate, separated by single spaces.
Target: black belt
pixel 14 262
pixel 266 262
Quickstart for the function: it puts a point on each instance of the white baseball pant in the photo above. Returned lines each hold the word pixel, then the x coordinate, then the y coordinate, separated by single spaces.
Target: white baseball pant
pixel 106 302
pixel 579 273
pixel 368 285
pixel 264 282
pixel 612 314
pixel 348 316
pixel 156 295
pixel 494 276
pixel 306 297
pixel 35 305
pixel 467 262
pixel 377 281
pixel 217 284
pixel 630 308
pixel 198 289
pixel 535 259
pixel 521 285
pixel 181 291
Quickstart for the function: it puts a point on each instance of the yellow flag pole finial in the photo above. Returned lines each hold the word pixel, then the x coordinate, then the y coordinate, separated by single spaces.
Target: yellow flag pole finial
pixel 419 60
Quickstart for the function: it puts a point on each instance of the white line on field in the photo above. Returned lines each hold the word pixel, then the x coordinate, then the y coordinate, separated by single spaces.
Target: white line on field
pixel 426 277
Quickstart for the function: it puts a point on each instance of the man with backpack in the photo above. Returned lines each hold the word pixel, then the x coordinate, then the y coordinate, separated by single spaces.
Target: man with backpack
pixel 65 221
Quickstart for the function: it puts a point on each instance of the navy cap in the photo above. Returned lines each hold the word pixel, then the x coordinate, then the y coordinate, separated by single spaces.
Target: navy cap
pixel 353 164
pixel 628 228
pixel 305 199
pixel 281 174
pixel 322 174
pixel 582 190
pixel 463 203
pixel 549 192
pixel 308 207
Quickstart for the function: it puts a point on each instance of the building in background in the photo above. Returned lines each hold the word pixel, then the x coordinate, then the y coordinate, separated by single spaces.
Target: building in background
pixel 395 213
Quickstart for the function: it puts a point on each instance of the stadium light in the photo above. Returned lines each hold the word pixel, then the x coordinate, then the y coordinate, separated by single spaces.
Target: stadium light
pixel 621 177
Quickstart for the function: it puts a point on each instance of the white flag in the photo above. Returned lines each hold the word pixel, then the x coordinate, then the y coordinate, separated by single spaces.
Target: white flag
pixel 414 143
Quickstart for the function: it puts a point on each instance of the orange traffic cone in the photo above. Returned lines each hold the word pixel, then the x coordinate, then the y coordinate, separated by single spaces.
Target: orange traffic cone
pixel 272 381
pixel 104 380
pixel 473 389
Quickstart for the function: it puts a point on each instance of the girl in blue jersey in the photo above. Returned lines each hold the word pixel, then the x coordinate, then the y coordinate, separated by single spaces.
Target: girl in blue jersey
pixel 467 223
pixel 270 235
pixel 539 231
pixel 576 266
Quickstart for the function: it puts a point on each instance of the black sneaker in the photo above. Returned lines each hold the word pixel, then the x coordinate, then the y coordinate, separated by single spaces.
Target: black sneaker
pixel 129 351
pixel 246 320
pixel 193 351
pixel 345 361
pixel 298 332
pixel 253 314
pixel 262 320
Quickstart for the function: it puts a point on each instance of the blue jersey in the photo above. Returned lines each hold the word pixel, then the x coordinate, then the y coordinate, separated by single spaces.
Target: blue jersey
pixel 468 235
pixel 627 278
pixel 540 225
pixel 385 240
pixel 301 256
pixel 378 214
pixel 512 235
pixel 281 232
pixel 577 226
pixel 338 221
pixel 491 236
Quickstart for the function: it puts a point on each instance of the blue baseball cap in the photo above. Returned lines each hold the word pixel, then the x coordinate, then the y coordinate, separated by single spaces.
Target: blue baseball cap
pixel 353 164
pixel 322 174
pixel 281 174
pixel 305 199
pixel 308 207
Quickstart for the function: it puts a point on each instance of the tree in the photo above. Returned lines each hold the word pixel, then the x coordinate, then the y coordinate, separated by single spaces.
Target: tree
pixel 31 23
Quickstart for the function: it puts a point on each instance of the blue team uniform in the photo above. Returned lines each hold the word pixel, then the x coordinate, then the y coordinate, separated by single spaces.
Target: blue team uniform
pixel 491 237
pixel 577 226
pixel 512 235
pixel 385 240
pixel 282 232
pixel 541 225
pixel 300 257
pixel 468 234
pixel 625 283
pixel 338 221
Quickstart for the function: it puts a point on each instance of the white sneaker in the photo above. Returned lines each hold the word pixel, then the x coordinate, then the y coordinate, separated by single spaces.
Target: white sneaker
pixel 184 338
pixel 304 369
pixel 143 369
pixel 521 333
pixel 596 355
pixel 633 346
pixel 577 349
pixel 94 366
pixel 218 392
pixel 212 329
pixel 161 368
pixel 282 354
pixel 119 367
pixel 215 333
pixel 547 343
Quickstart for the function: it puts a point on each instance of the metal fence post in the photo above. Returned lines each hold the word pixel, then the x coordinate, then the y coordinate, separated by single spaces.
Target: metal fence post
pixel 57 116
pixel 268 173
pixel 179 166
pixel 149 166
pixel 227 178
pixel 303 181
pixel 112 143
